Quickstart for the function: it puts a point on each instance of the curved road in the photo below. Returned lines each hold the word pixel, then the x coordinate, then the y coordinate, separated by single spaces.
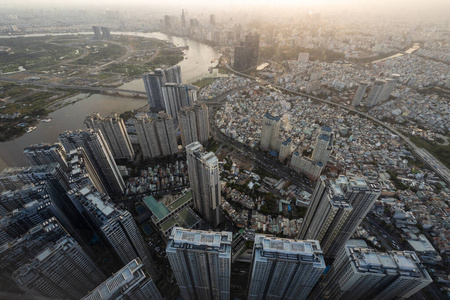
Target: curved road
pixel 422 154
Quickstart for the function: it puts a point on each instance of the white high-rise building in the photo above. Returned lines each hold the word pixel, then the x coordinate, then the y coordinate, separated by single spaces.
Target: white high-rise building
pixel 203 169
pixel 360 92
pixel 115 133
pixel 362 273
pixel 201 263
pixel 284 268
pixel 324 146
pixel 61 271
pixel 326 215
pixel 194 124
pixel 99 154
pixel 269 132
pixel 156 135
pixel 375 93
pixel 130 282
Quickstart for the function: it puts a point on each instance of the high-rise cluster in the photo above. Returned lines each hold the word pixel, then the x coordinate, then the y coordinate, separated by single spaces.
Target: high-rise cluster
pixel 380 91
pixel 312 167
pixel 336 209
pixel 194 124
pixel 99 153
pixel 156 135
pixel 114 132
pixel 363 273
pixel 165 90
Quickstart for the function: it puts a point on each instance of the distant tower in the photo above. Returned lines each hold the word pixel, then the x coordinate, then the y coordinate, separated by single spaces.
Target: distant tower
pixel 97 32
pixel 388 89
pixel 115 133
pixel 99 154
pixel 324 146
pixel 246 54
pixel 375 93
pixel 201 263
pixel 130 282
pixel 106 33
pixel 362 273
pixel 270 132
pixel 156 135
pixel 153 83
pixel 303 57
pixel 212 20
pixel 61 271
pixel 183 23
pixel 203 168
pixel 360 92
pixel 44 154
pixel 284 268
pixel 326 215
pixel 194 124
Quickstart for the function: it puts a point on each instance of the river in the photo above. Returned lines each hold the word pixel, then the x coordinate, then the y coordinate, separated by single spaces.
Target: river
pixel 71 117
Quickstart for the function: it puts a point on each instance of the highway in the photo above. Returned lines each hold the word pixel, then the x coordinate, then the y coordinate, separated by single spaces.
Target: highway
pixel 422 154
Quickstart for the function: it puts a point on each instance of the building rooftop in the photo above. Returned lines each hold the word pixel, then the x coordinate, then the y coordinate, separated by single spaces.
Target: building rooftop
pixel 157 208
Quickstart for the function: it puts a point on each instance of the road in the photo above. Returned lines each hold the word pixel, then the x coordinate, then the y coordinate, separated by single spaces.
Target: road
pixel 423 155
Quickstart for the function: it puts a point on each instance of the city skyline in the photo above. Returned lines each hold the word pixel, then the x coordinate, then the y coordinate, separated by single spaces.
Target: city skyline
pixel 262 150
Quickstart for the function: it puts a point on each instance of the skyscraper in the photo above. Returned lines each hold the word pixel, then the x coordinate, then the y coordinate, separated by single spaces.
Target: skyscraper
pixel 117 227
pixel 106 33
pixel 99 154
pixel 177 96
pixel 375 93
pixel 44 154
pixel 270 132
pixel 203 169
pixel 246 54
pixel 194 124
pixel 62 271
pixel 81 168
pixel 97 32
pixel 130 282
pixel 362 273
pixel 114 132
pixel 387 89
pixel 361 195
pixel 201 263
pixel 21 251
pixel 284 268
pixel 173 74
pixel 153 83
pixel 324 146
pixel 327 213
pixel 156 135
pixel 285 149
pixel 360 92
